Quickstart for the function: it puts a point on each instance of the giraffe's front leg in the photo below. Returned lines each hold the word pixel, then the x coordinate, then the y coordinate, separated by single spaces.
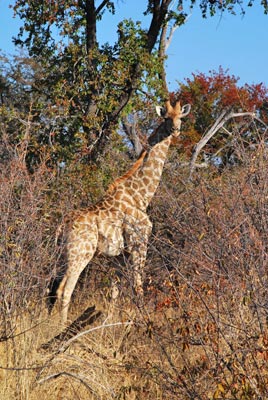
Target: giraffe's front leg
pixel 137 235
pixel 82 244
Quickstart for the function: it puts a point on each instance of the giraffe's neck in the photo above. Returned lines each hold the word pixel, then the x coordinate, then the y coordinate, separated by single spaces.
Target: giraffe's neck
pixel 143 183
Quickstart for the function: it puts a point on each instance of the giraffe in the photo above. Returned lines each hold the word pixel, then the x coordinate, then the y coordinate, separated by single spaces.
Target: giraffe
pixel 119 221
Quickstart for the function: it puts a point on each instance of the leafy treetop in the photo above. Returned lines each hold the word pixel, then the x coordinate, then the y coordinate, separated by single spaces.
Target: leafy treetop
pixel 79 90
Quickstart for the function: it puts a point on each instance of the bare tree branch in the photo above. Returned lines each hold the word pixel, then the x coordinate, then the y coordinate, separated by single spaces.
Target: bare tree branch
pixel 170 36
pixel 65 345
pixel 132 135
pixel 164 43
pixel 81 378
pixel 172 31
pixel 162 56
pixel 221 120
pixel 101 6
pixel 159 15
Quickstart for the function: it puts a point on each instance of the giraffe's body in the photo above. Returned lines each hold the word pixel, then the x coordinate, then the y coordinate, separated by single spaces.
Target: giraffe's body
pixel 119 220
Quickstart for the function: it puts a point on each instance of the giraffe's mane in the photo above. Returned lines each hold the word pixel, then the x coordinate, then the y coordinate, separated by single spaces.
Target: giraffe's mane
pixel 128 174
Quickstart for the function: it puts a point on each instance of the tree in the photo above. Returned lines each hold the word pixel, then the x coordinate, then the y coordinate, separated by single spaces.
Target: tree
pixel 90 83
pixel 218 97
pixel 85 87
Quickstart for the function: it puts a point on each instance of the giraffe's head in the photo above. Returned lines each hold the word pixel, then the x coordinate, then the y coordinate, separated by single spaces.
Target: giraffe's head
pixel 172 121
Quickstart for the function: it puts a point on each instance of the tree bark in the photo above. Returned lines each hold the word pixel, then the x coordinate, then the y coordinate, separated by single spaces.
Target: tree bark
pixel 91 28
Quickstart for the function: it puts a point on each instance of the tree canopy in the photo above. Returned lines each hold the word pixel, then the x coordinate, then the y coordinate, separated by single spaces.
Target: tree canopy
pixel 75 92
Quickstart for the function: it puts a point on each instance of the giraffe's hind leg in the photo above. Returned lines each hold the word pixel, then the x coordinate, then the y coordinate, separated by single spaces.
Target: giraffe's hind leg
pixel 81 248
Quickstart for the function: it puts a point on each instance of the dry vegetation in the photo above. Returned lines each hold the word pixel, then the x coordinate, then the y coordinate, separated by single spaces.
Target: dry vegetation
pixel 201 332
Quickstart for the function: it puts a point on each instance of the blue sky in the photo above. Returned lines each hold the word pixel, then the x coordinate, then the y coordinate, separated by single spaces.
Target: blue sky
pixel 239 44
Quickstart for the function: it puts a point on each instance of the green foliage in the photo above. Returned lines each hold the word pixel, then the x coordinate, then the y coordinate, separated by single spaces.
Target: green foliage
pixel 78 89
pixel 81 87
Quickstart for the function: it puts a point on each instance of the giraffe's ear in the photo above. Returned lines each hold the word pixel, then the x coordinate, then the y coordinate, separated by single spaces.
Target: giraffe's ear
pixel 185 110
pixel 161 111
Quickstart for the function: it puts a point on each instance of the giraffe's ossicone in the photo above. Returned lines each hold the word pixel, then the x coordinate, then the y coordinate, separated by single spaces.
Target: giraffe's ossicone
pixel 119 221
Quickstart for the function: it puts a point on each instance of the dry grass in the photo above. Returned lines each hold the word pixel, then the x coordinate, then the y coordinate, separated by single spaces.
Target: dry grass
pixel 189 342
